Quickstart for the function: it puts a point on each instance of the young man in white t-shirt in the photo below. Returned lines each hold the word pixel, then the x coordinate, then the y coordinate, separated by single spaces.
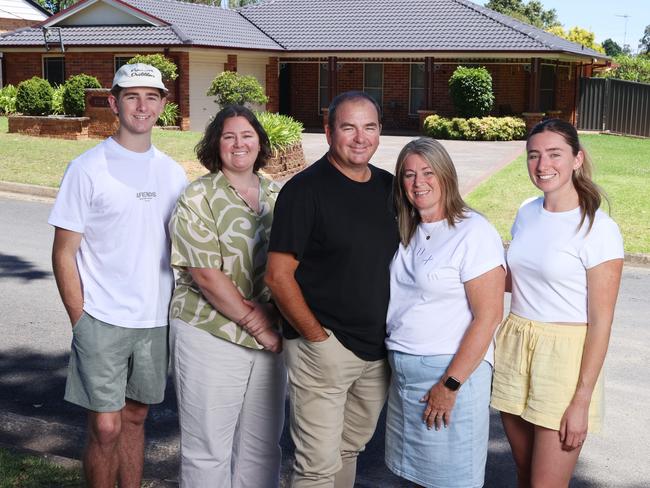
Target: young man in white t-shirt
pixel 111 263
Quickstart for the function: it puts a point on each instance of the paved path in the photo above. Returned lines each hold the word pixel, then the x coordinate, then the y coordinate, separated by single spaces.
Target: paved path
pixel 36 334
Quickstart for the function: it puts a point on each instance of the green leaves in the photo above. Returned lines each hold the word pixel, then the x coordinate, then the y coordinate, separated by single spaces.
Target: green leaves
pixel 74 96
pixel 34 97
pixel 475 128
pixel 165 65
pixel 8 99
pixel 231 88
pixel 283 131
pixel 471 91
pixel 169 115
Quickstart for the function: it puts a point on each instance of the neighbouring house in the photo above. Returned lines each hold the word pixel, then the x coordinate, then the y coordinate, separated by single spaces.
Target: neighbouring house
pixel 304 52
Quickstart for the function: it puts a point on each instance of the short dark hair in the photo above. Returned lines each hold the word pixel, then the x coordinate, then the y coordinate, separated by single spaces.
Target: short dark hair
pixel 207 150
pixel 116 90
pixel 349 96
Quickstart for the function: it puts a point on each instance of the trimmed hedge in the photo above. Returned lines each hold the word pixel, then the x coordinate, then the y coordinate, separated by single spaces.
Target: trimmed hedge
pixel 471 91
pixel 231 88
pixel 475 128
pixel 34 97
pixel 74 96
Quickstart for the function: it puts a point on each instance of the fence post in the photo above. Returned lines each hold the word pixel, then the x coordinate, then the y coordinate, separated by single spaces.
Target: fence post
pixel 606 104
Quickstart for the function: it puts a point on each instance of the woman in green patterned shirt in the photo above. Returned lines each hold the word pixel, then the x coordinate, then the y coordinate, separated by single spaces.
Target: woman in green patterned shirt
pixel 229 376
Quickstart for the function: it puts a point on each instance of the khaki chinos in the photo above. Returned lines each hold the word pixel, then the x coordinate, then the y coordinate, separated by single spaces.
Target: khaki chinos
pixel 336 399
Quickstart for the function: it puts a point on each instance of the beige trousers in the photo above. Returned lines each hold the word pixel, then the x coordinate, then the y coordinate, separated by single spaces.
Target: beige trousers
pixel 230 408
pixel 336 399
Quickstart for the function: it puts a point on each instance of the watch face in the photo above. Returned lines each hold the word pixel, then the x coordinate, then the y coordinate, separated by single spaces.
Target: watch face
pixel 452 383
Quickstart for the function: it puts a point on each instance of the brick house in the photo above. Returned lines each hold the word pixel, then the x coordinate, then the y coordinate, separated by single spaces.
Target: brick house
pixel 306 51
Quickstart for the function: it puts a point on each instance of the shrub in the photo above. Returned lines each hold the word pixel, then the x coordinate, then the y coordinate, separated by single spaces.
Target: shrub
pixel 165 65
pixel 629 68
pixel 471 91
pixel 283 131
pixel 34 97
pixel 169 115
pixel 74 97
pixel 475 128
pixel 57 101
pixel 232 88
pixel 8 99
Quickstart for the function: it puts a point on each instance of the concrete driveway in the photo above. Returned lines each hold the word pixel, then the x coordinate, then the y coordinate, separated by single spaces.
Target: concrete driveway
pixel 474 160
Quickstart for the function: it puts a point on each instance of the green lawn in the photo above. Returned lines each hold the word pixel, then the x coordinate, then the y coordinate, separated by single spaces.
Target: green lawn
pixel 42 161
pixel 21 471
pixel 622 168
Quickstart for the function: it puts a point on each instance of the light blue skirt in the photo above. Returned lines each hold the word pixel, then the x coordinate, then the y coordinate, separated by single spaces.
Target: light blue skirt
pixel 452 457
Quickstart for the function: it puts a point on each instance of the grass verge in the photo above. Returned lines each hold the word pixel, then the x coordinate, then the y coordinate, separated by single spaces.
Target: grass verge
pixel 42 161
pixel 23 471
pixel 622 168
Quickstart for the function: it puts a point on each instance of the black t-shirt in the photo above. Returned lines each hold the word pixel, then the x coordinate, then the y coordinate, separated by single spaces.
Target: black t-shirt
pixel 344 234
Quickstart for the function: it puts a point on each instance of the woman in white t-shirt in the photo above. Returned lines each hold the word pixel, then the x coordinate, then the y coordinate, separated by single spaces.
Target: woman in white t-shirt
pixel 447 284
pixel 565 265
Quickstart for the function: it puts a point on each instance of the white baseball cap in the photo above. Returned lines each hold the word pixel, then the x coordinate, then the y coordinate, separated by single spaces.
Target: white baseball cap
pixel 138 75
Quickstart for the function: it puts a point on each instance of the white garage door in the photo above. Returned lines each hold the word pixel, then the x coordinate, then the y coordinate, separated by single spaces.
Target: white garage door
pixel 257 68
pixel 202 107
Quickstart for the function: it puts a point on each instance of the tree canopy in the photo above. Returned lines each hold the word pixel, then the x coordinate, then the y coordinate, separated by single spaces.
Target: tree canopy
pixel 612 48
pixel 579 36
pixel 644 42
pixel 532 12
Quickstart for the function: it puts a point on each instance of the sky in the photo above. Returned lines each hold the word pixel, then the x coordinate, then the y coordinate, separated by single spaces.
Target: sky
pixel 600 17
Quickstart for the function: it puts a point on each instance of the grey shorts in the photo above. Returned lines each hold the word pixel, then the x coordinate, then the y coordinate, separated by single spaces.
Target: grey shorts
pixel 110 363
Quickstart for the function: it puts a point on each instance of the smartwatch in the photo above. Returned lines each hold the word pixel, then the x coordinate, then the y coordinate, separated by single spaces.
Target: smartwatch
pixel 452 383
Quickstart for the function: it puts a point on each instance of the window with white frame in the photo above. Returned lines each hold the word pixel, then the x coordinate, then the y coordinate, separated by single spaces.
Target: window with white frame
pixel 417 88
pixel 54 69
pixel 373 81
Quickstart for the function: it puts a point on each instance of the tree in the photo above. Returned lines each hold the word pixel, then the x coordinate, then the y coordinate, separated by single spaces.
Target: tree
pixel 611 48
pixel 56 6
pixel 644 42
pixel 631 68
pixel 166 66
pixel 532 12
pixel 579 36
pixel 232 88
pixel 471 91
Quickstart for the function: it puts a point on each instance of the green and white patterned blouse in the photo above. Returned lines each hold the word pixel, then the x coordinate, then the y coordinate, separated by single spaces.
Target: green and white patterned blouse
pixel 213 227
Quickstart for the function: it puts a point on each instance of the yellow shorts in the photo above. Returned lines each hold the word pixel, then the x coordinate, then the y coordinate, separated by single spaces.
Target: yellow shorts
pixel 536 368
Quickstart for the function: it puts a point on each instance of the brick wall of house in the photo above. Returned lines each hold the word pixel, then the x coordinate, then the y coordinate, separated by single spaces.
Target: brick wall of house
pixel 7 25
pixel 510 84
pixel 231 63
pixel 304 94
pixel 22 66
pixel 565 92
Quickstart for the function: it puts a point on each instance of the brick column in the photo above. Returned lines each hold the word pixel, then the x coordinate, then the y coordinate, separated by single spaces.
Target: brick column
pixel 532 119
pixel 534 85
pixel 332 69
pixel 273 84
pixel 103 122
pixel 231 64
pixel 182 84
pixel 429 84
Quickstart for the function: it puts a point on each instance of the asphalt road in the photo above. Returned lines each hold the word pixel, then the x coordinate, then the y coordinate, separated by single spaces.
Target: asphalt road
pixel 35 336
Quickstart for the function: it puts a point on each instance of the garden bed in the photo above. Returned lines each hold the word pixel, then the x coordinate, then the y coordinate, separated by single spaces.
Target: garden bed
pixel 286 162
pixel 58 126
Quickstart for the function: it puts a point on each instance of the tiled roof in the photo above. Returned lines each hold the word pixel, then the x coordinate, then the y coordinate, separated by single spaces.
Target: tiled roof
pixel 321 25
pixel 189 23
pixel 207 25
pixel 399 25
pixel 137 35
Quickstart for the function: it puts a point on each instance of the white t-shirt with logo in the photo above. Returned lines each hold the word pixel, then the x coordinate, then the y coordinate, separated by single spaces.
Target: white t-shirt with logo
pixel 429 313
pixel 121 201
pixel 549 258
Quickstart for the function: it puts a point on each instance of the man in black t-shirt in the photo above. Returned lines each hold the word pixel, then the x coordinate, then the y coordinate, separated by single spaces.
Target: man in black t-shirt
pixel 334 235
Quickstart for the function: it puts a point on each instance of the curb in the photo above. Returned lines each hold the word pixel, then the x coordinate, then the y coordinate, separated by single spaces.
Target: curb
pixel 31 190
pixel 633 259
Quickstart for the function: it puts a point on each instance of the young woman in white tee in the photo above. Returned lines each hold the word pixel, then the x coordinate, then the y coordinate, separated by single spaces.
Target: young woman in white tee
pixel 565 263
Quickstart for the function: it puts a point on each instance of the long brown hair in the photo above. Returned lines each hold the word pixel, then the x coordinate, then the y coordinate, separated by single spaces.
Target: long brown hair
pixel 438 158
pixel 590 195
